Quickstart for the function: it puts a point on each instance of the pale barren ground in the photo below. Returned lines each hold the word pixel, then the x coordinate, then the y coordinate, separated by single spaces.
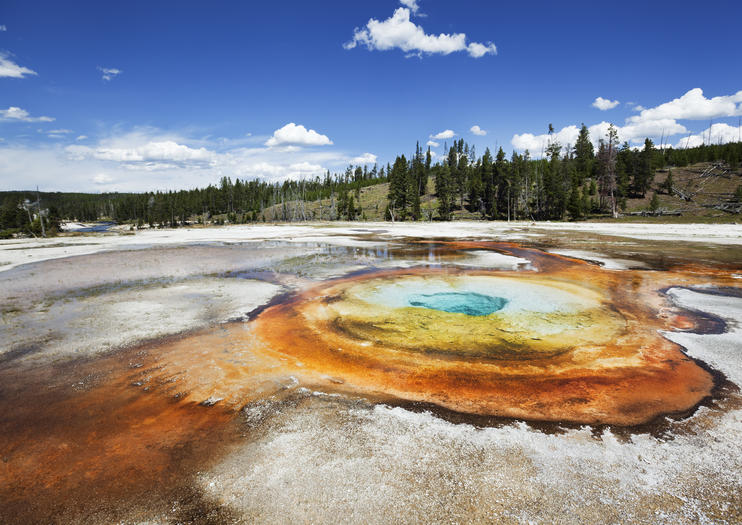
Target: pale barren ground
pixel 310 457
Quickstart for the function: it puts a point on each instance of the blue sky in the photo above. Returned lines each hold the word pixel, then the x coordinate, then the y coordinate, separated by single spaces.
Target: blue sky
pixel 101 96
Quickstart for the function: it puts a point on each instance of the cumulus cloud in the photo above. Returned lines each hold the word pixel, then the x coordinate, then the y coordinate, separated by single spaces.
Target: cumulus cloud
pixel 477 50
pixel 109 73
pixel 149 156
pixel 102 178
pixel 399 32
pixel 649 128
pixel 694 106
pixel 278 172
pixel 411 5
pixel 10 69
pixel 148 159
pixel 478 131
pixel 536 144
pixel 298 135
pixel 303 169
pixel 443 135
pixel 655 122
pixel 433 144
pixel 719 133
pixel 604 104
pixel 143 150
pixel 366 158
pixel 14 113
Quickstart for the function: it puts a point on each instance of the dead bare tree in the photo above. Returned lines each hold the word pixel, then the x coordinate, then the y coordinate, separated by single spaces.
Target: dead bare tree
pixel 607 154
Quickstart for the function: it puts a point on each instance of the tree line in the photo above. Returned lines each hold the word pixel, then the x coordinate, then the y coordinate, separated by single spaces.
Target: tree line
pixel 567 182
pixel 238 201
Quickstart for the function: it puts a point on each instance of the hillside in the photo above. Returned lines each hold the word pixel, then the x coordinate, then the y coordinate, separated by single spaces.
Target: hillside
pixel 697 189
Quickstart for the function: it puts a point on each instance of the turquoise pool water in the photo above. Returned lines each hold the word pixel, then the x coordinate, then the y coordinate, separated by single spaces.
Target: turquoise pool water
pixel 469 303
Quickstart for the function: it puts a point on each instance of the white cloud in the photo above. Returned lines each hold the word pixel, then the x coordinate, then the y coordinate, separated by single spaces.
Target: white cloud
pixel 719 133
pixel 297 135
pixel 148 159
pixel 535 144
pixel 151 155
pixel 604 104
pixel 694 106
pixel 58 131
pixel 3 28
pixel 477 50
pixel 443 135
pixel 433 144
pixel 279 172
pixel 102 178
pixel 81 137
pixel 411 4
pixel 304 169
pixel 656 122
pixel 650 128
pixel 478 131
pixel 366 158
pixel 399 32
pixel 18 114
pixel 10 69
pixel 109 73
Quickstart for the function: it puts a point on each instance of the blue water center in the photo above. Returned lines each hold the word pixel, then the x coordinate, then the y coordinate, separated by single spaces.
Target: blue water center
pixel 469 303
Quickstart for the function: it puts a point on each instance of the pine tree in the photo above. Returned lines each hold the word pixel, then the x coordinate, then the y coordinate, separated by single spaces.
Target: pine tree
pixel 351 209
pixel 398 188
pixel 667 186
pixel 645 174
pixel 574 205
pixel 583 154
pixel 554 179
pixel 475 189
pixel 428 160
pixel 443 190
pixel 501 178
pixel 413 194
pixel 654 204
pixel 462 171
pixel 488 178
pixel 586 205
pixel 417 183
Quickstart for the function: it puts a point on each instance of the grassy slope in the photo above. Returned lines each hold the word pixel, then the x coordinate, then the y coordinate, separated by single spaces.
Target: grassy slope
pixel 712 190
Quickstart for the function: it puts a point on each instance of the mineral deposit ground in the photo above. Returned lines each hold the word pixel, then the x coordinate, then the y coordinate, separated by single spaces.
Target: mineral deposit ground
pixel 373 373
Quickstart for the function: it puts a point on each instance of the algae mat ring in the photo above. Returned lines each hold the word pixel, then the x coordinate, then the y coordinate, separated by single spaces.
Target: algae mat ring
pixel 530 346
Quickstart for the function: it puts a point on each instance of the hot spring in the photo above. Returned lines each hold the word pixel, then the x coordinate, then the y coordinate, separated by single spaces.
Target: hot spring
pixel 469 303
pixel 321 371
pixel 568 343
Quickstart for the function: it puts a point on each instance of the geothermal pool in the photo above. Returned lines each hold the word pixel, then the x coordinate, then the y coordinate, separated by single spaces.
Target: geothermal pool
pixel 363 374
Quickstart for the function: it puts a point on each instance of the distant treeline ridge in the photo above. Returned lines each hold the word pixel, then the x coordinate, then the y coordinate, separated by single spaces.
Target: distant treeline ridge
pixel 568 182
